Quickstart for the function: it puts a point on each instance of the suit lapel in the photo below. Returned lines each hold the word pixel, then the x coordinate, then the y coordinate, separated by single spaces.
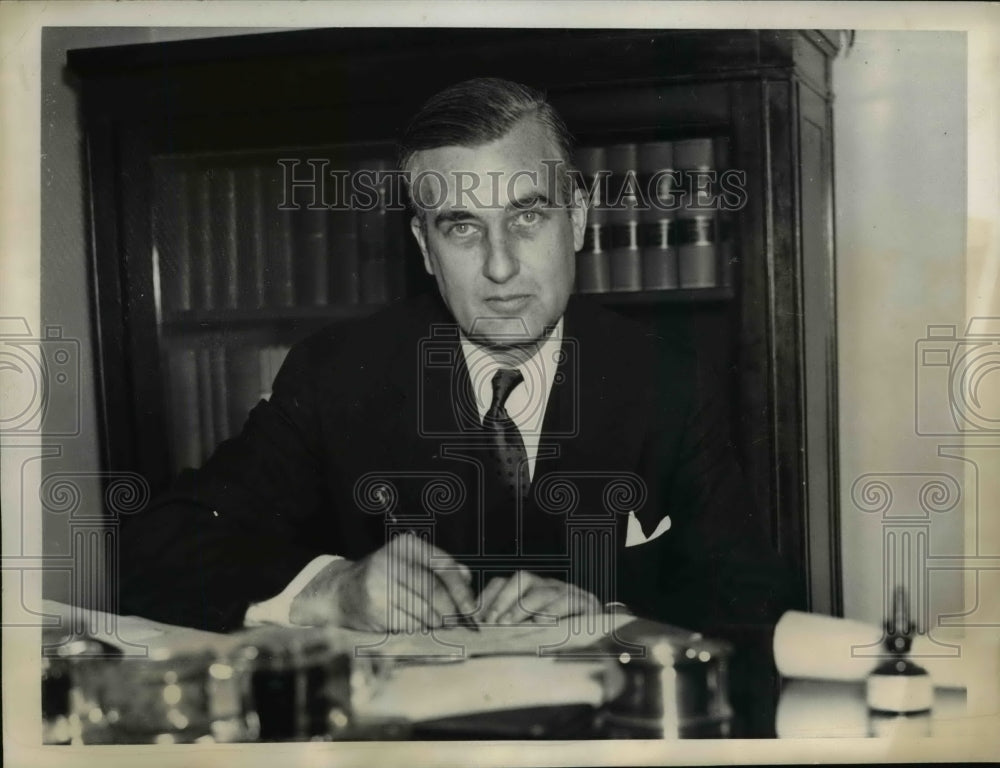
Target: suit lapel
pixel 430 380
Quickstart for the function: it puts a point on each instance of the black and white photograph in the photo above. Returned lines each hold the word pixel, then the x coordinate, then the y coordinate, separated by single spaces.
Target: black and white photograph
pixel 501 384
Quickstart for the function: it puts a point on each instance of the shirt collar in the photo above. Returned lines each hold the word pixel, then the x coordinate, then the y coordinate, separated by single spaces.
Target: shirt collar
pixel 526 404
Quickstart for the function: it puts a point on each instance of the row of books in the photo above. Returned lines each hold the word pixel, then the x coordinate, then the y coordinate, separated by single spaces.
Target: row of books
pixel 211 391
pixel 633 243
pixel 224 241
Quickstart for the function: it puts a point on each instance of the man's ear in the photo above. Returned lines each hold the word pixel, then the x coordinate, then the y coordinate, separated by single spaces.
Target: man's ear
pixel 420 234
pixel 578 216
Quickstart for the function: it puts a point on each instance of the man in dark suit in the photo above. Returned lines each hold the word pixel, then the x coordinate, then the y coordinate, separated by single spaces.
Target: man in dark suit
pixel 503 449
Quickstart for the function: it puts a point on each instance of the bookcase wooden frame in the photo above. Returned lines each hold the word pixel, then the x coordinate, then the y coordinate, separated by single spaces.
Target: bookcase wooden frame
pixel 768 91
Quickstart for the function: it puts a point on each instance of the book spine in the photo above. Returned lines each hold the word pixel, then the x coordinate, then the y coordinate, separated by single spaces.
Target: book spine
pixel 224 240
pixel 184 414
pixel 660 269
pixel 200 249
pixel 697 255
pixel 220 395
pixel 345 258
pixel 312 253
pixel 206 420
pixel 243 377
pixel 397 230
pixel 593 273
pixel 280 244
pixel 373 235
pixel 592 261
pixel 659 255
pixel 172 232
pixel 251 231
pixel 623 214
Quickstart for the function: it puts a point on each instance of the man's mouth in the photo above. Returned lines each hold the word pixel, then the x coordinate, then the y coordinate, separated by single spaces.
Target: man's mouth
pixel 509 303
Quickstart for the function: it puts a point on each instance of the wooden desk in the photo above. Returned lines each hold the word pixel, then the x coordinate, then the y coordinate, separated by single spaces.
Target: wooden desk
pixel 525 696
pixel 593 677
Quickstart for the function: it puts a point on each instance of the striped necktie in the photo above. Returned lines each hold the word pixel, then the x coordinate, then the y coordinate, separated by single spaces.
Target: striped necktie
pixel 507 476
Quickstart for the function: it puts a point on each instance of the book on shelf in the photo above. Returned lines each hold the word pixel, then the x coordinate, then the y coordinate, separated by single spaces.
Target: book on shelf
pixel 311 258
pixel 697 255
pixel 243 381
pixel 624 200
pixel 345 258
pixel 172 233
pixel 251 232
pixel 200 248
pixel 220 395
pixel 659 254
pixel 381 234
pixel 592 268
pixel 373 237
pixel 655 225
pixel 223 238
pixel 185 428
pixel 280 246
pixel 206 403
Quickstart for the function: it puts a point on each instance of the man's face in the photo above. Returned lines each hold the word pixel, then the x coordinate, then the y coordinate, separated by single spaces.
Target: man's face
pixel 504 254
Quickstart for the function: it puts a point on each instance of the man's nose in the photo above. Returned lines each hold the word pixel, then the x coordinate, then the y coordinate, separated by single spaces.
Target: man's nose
pixel 501 263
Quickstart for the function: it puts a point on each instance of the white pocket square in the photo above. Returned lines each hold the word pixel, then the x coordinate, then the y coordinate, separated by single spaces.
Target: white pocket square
pixel 634 535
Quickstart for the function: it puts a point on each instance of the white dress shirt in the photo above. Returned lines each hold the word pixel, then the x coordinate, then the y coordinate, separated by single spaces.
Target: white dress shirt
pixel 527 401
pixel 525 405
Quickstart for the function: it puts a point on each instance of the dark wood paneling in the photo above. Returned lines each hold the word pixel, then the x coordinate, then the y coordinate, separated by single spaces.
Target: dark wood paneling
pixel 820 368
pixel 784 259
pixel 756 393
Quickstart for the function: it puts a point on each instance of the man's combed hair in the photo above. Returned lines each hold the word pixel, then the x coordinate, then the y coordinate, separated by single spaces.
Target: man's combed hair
pixel 476 112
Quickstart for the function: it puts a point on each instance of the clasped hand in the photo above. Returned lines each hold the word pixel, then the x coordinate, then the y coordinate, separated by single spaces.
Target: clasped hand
pixel 409 584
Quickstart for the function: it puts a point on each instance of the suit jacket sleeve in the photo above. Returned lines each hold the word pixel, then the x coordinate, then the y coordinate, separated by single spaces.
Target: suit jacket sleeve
pixel 229 534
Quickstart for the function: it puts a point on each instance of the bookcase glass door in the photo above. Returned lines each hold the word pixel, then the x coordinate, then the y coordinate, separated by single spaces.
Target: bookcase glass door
pixel 251 252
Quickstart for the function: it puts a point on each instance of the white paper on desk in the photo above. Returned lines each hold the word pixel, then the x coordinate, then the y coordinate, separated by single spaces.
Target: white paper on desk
pixel 570 634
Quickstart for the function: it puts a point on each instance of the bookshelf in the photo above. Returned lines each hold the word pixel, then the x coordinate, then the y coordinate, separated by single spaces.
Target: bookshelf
pixel 202 280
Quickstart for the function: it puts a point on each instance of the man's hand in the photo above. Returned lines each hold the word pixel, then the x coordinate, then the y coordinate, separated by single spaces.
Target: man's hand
pixel 521 596
pixel 394 589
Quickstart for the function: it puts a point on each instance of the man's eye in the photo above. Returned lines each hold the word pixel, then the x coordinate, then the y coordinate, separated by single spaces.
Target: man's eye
pixel 461 229
pixel 528 217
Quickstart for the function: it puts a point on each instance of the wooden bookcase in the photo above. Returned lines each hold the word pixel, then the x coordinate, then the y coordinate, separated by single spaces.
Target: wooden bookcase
pixel 155 112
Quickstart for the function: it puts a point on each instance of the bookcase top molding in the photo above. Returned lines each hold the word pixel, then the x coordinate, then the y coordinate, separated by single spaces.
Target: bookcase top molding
pixel 325 67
